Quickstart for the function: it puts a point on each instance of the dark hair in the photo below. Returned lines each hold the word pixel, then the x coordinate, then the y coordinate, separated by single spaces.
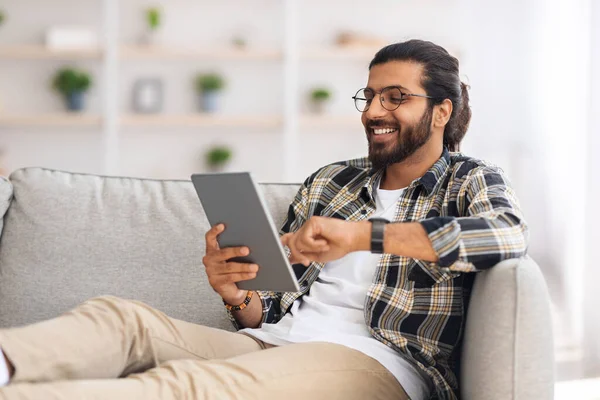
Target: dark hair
pixel 440 81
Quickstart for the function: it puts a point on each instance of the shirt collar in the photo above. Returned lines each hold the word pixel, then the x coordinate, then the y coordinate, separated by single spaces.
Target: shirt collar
pixel 428 181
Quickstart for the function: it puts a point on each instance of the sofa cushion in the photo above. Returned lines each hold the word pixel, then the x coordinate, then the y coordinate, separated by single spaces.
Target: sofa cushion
pixel 6 192
pixel 69 237
pixel 508 344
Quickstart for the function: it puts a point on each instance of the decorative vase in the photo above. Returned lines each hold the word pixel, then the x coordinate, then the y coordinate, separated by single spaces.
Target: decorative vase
pixel 75 101
pixel 209 101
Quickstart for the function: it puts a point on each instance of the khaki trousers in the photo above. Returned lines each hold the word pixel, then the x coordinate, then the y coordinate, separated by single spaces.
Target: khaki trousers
pixel 110 348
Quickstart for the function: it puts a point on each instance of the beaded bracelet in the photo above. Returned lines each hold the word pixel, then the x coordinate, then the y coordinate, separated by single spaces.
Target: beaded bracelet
pixel 240 306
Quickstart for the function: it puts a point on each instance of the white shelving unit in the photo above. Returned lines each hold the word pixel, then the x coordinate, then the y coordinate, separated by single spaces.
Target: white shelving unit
pixel 113 55
pixel 293 63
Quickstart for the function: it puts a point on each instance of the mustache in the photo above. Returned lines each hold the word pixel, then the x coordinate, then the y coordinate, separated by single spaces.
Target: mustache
pixel 371 124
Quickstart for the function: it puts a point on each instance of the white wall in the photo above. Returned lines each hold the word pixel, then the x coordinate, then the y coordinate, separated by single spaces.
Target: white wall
pixel 254 87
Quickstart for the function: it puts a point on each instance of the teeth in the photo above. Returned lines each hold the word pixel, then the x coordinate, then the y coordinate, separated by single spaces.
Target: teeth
pixel 383 131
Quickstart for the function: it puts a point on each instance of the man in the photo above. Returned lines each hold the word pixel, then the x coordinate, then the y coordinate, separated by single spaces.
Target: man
pixel 384 249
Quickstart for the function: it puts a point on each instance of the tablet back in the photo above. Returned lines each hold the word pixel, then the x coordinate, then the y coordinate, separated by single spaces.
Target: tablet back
pixel 236 201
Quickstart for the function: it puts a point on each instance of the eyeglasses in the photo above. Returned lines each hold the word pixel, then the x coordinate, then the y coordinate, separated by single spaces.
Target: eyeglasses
pixel 390 97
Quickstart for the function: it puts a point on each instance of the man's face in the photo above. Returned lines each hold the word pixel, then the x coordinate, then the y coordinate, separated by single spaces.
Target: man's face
pixel 408 127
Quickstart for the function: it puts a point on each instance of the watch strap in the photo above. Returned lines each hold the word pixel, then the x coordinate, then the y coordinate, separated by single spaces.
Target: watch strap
pixel 377 230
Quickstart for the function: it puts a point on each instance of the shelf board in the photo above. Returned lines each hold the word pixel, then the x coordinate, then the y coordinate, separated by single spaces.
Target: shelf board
pixel 200 120
pixel 175 120
pixel 182 53
pixel 327 120
pixel 340 53
pixel 40 52
pixel 48 120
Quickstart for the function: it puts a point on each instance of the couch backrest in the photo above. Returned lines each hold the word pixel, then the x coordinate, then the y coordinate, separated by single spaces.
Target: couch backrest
pixel 68 237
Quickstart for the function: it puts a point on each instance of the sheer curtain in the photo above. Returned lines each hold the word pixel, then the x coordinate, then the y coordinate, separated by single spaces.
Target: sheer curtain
pixel 529 66
pixel 592 273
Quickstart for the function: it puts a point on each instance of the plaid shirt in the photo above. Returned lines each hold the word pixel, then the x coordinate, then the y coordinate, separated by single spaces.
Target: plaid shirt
pixel 418 308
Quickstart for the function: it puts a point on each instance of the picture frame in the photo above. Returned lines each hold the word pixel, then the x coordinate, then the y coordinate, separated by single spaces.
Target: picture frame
pixel 148 95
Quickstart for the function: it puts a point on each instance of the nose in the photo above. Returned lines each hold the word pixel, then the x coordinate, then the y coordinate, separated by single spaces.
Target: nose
pixel 376 110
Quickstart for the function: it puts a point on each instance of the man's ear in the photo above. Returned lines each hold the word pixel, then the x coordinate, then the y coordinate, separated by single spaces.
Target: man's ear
pixel 442 113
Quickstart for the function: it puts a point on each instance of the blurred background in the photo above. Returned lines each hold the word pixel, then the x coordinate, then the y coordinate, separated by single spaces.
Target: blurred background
pixel 166 89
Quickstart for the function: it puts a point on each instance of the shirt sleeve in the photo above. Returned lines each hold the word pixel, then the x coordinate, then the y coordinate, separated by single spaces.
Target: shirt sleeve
pixel 492 230
pixel 296 216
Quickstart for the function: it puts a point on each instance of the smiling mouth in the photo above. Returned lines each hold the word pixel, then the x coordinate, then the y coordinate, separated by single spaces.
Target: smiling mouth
pixel 383 131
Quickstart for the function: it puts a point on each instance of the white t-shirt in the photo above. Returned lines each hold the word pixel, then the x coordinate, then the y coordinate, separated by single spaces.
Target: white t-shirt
pixel 333 311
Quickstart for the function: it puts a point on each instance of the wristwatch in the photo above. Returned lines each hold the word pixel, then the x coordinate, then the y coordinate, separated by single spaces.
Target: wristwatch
pixel 377 229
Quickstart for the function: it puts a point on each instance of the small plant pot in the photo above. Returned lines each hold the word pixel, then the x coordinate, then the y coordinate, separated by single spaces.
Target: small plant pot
pixel 209 101
pixel 75 101
pixel 319 106
pixel 150 37
pixel 218 168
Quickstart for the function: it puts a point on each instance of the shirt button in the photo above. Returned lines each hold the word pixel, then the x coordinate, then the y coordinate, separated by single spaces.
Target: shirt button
pixel 363 212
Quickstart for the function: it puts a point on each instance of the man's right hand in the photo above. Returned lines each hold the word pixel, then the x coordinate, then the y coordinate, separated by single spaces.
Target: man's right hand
pixel 223 274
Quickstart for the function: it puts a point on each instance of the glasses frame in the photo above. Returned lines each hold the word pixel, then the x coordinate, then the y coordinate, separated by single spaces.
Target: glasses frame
pixel 402 96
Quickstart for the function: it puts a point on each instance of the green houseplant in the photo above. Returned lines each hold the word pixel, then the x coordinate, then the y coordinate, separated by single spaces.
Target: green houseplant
pixel 319 99
pixel 217 157
pixel 2 17
pixel 72 84
pixel 153 19
pixel 209 87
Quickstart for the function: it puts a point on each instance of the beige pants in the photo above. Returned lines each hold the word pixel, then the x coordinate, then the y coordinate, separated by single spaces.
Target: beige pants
pixel 80 355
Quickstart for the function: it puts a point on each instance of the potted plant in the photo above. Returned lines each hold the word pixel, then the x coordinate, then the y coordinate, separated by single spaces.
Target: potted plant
pixel 239 42
pixel 2 17
pixel 319 99
pixel 218 157
pixel 72 84
pixel 153 19
pixel 208 87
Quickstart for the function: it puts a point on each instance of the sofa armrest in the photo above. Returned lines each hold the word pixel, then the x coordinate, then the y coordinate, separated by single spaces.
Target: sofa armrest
pixel 508 350
pixel 6 194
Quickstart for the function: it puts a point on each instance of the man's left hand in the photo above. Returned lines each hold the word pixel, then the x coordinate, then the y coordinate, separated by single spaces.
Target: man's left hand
pixel 325 239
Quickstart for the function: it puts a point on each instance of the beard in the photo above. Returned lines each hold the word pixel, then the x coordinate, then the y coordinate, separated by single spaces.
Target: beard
pixel 407 142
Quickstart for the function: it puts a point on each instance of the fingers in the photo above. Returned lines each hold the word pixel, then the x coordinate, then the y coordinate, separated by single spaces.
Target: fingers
pixel 284 239
pixel 224 279
pixel 296 254
pixel 211 237
pixel 235 267
pixel 232 273
pixel 304 247
pixel 222 273
pixel 312 245
pixel 227 253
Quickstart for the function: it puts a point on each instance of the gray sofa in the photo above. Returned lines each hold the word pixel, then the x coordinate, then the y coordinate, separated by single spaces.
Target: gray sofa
pixel 67 237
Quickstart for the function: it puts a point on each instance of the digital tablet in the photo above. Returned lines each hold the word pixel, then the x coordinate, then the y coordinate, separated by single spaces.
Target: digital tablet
pixel 235 200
